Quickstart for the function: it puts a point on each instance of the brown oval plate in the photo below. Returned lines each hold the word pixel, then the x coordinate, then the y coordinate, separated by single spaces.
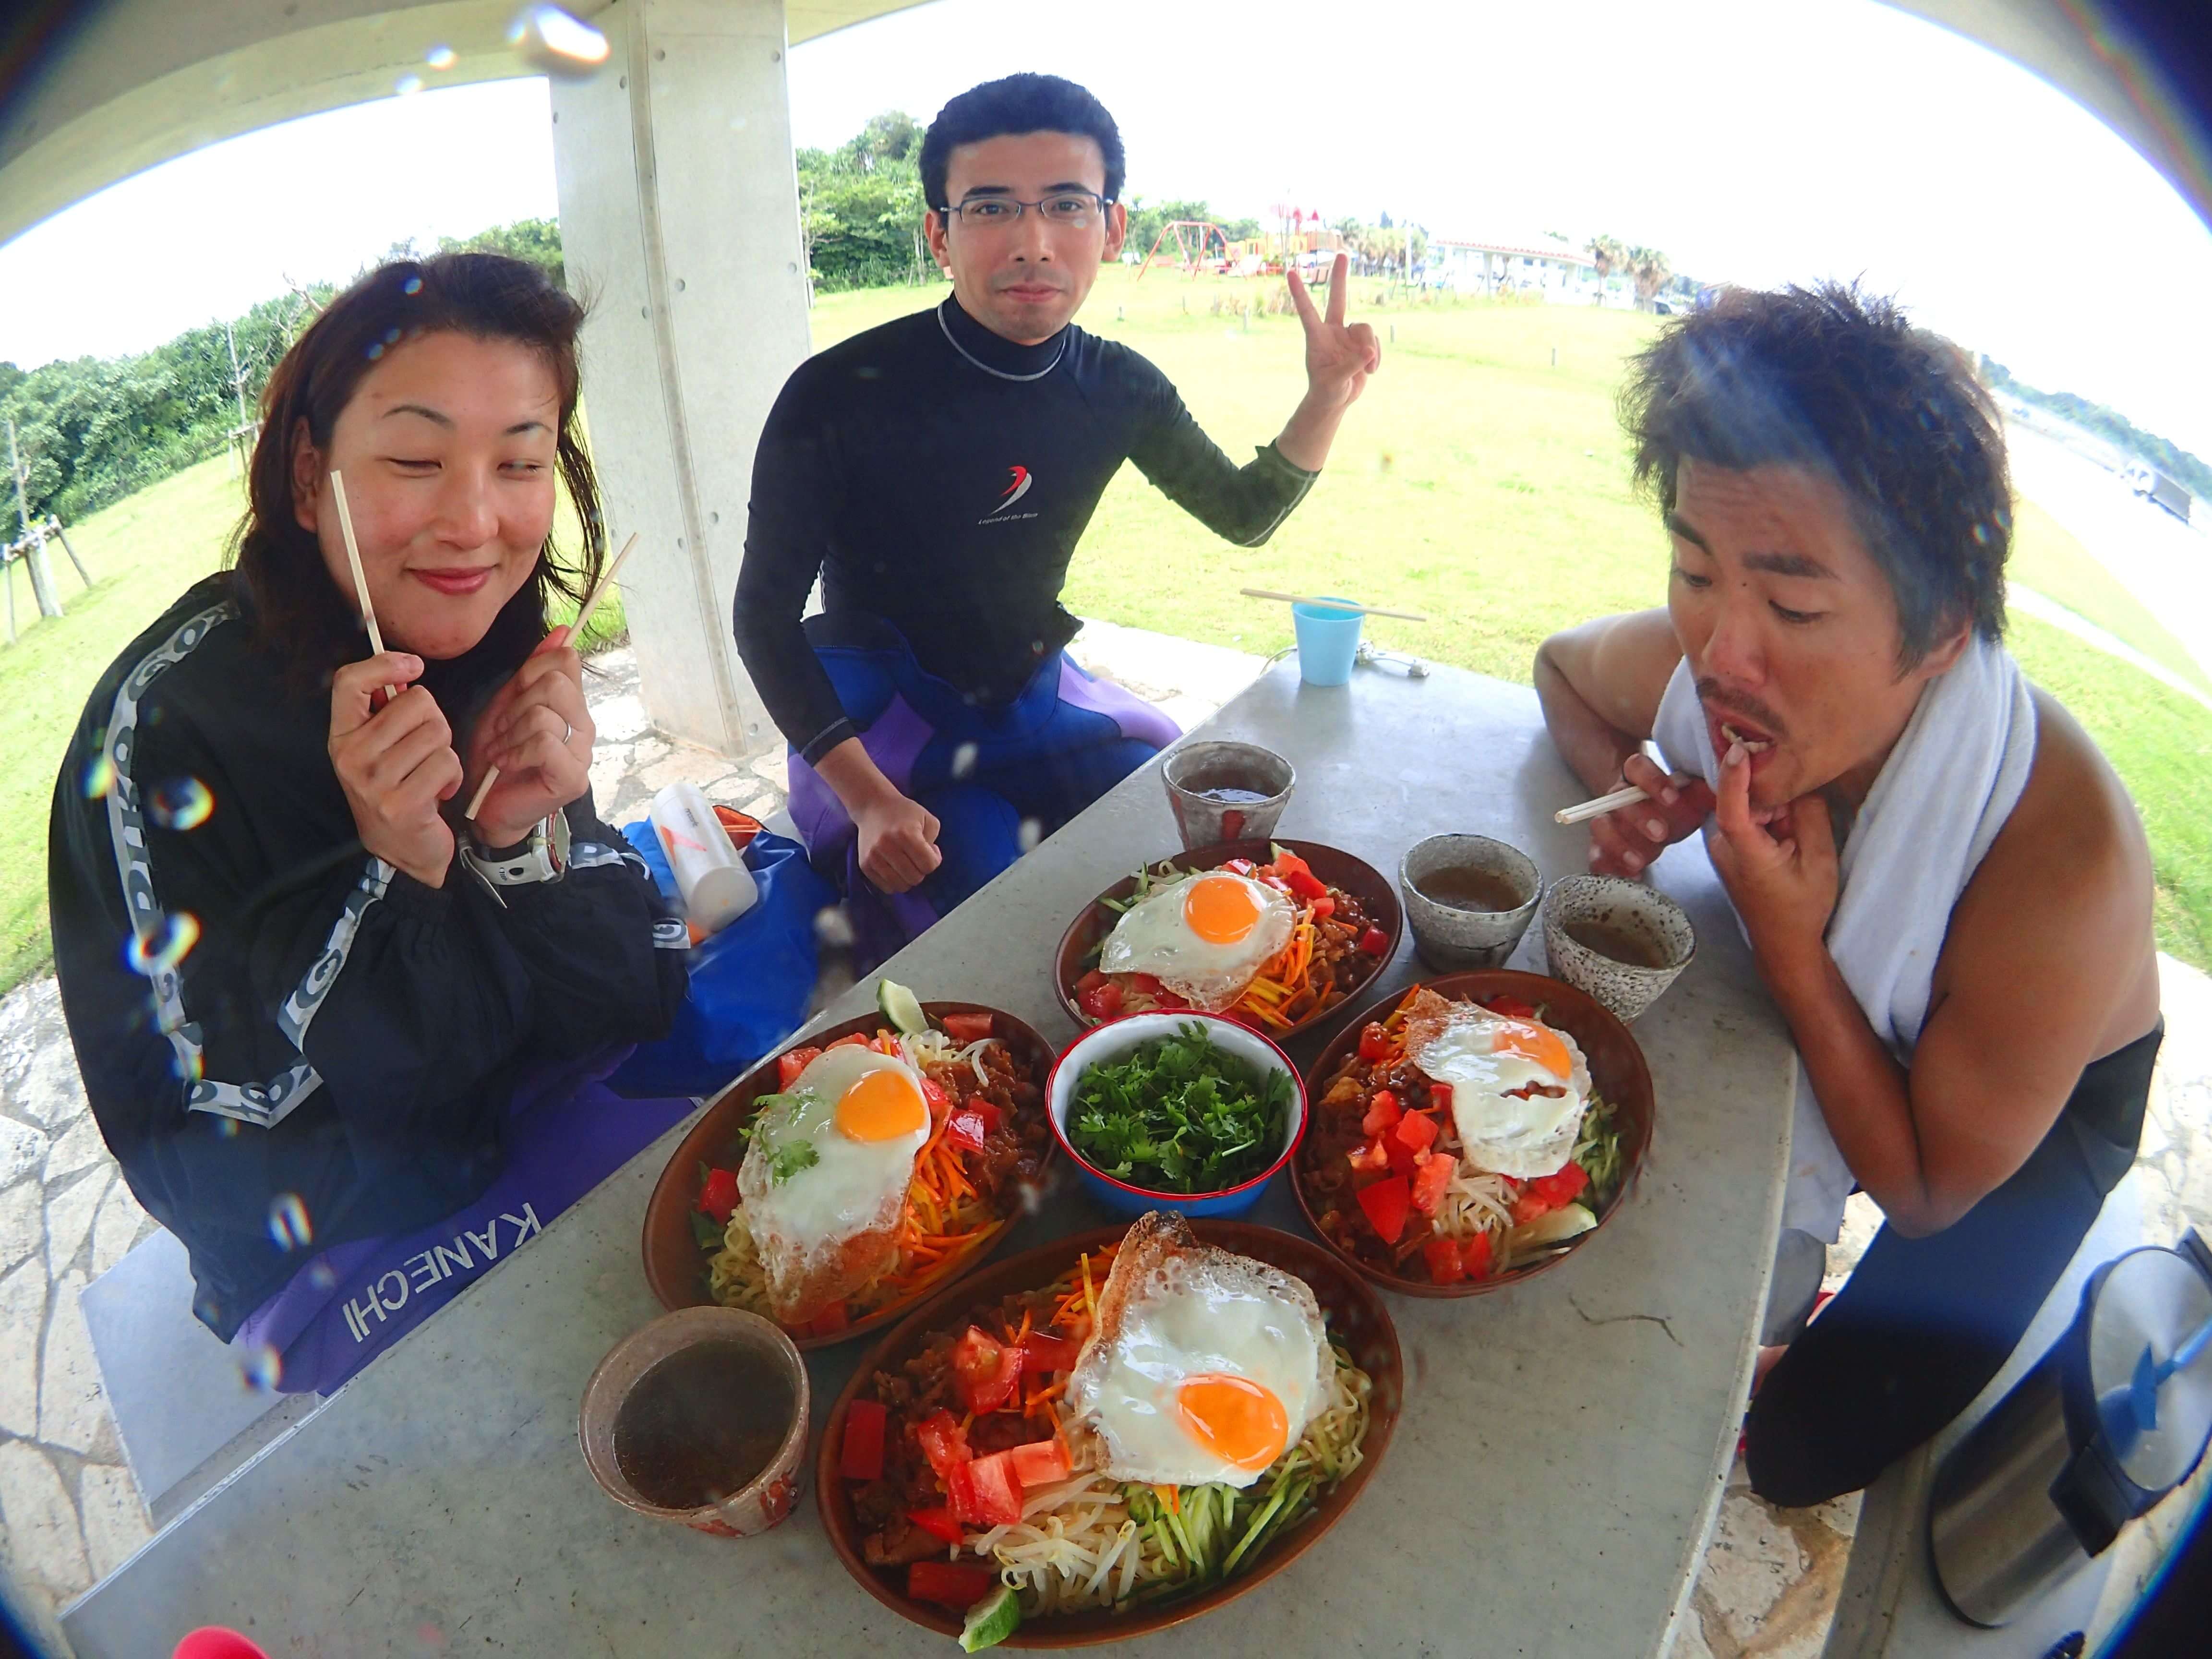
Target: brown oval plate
pixel 1332 865
pixel 673 1264
pixel 1356 1317
pixel 1617 1071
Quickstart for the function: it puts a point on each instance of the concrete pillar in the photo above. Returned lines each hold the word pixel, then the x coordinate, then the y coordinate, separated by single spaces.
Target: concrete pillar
pixel 679 214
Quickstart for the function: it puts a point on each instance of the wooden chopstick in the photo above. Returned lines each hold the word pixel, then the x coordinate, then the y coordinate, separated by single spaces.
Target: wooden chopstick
pixel 1329 605
pixel 575 631
pixel 1601 806
pixel 359 581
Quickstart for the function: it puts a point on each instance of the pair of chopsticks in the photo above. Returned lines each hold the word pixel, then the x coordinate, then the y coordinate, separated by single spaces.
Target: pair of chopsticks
pixel 376 634
pixel 1601 806
pixel 1347 605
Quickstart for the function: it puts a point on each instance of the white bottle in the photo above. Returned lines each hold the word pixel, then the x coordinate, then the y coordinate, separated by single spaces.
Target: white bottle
pixel 716 886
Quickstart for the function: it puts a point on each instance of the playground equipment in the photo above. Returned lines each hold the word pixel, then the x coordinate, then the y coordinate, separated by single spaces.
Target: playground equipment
pixel 29 548
pixel 1198 244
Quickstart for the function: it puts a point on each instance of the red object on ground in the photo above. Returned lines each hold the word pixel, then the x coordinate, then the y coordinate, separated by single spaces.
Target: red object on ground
pixel 214 1642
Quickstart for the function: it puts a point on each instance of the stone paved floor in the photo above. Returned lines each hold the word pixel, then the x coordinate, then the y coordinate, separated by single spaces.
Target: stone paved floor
pixel 68 1511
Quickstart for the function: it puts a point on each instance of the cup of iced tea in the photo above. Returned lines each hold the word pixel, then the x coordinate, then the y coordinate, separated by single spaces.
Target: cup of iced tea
pixel 1622 942
pixel 1468 899
pixel 700 1417
pixel 1226 791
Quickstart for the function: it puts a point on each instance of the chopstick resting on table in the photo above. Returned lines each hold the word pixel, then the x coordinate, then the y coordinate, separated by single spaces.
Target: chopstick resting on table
pixel 575 631
pixel 359 581
pixel 1601 806
pixel 1330 605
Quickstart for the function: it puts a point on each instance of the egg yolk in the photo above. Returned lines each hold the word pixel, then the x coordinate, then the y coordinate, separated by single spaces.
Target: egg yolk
pixel 1220 909
pixel 1532 1042
pixel 1235 1419
pixel 882 1106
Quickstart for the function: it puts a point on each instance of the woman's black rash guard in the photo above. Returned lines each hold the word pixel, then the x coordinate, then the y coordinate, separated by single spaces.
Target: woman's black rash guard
pixel 940 476
pixel 337 1031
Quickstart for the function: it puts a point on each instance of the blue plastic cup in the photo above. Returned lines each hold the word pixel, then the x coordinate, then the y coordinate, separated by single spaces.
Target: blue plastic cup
pixel 1328 640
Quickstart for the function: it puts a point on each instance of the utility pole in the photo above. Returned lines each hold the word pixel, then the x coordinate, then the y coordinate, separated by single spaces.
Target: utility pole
pixel 33 540
pixel 241 436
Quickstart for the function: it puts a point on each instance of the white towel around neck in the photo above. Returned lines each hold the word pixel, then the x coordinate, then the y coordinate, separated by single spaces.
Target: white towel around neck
pixel 1942 795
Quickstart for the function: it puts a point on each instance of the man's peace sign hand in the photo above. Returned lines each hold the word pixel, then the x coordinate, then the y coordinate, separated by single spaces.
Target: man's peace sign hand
pixel 1339 357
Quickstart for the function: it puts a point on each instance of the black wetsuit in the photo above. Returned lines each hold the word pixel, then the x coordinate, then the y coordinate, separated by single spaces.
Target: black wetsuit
pixel 939 476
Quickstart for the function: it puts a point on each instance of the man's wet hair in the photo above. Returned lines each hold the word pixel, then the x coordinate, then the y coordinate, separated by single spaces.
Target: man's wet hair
pixel 1839 382
pixel 1019 103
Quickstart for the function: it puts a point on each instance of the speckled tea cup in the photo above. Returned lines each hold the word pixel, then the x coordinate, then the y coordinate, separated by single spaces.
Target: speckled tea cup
pixel 761 1501
pixel 1193 771
pixel 1612 901
pixel 1449 939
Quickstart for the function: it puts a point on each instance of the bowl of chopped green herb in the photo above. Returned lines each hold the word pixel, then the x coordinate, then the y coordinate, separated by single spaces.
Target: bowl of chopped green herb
pixel 1178 1110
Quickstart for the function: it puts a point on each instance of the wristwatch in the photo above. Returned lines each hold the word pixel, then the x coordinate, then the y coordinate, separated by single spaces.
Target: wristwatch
pixel 542 857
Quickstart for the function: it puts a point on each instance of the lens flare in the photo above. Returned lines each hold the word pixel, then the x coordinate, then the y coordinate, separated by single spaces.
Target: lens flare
pixel 287 1221
pixel 159 950
pixel 180 804
pixel 408 84
pixel 321 1275
pixel 412 285
pixel 99 777
pixel 263 1368
pixel 1030 834
pixel 442 57
pixel 554 43
pixel 963 761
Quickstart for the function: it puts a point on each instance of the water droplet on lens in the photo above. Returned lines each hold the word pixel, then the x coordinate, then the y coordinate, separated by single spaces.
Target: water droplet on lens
pixel 264 1368
pixel 225 1128
pixel 442 57
pixel 99 777
pixel 287 1221
pixel 412 285
pixel 375 350
pixel 180 804
pixel 1030 834
pixel 391 337
pixel 963 761
pixel 408 84
pixel 162 947
pixel 552 41
pixel 320 1274
pixel 190 1067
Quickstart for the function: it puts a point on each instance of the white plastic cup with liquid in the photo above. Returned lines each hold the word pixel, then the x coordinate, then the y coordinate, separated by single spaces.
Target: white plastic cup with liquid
pixel 712 877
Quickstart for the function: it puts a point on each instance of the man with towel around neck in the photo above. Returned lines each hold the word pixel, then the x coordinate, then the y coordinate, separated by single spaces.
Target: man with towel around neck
pixel 1945 887
pixel 937 473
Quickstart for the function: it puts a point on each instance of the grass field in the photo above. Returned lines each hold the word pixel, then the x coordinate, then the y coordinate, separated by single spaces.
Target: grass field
pixel 1481 481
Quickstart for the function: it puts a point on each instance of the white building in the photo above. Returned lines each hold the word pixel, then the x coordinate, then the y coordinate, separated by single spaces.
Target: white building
pixel 1561 274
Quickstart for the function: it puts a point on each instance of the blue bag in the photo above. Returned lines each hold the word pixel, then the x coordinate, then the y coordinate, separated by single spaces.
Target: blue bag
pixel 750 982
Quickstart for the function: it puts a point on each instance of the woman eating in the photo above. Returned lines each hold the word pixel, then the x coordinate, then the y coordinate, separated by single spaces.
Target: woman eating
pixel 345 1044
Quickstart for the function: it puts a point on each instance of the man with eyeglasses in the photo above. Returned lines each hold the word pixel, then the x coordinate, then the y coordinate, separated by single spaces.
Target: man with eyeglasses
pixel 937 473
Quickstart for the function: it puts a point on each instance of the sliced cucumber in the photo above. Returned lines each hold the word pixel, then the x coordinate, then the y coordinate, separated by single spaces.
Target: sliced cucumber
pixel 991 1620
pixel 902 1007
pixel 1553 1227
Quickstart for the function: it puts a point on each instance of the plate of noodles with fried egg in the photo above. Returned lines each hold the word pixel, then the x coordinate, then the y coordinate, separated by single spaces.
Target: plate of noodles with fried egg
pixel 1472 1131
pixel 1111 1433
pixel 857 1172
pixel 1277 935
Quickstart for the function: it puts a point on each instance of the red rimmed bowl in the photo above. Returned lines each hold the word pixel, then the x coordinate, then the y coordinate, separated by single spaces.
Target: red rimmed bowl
pixel 1618 1073
pixel 675 1261
pixel 1357 1318
pixel 1118 1037
pixel 1079 944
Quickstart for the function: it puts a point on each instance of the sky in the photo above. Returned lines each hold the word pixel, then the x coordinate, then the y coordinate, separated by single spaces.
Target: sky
pixel 1756 141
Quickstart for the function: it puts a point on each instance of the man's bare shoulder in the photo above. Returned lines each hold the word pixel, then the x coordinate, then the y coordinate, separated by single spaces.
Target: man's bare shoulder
pixel 1620 666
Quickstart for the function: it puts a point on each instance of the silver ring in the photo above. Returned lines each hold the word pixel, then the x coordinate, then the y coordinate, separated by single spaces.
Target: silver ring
pixel 567 734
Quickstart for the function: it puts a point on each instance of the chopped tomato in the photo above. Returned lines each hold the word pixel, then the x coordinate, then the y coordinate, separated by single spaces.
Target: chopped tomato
pixel 937 1522
pixel 1440 1097
pixel 856 1039
pixel 887 1042
pixel 789 1066
pixel 1398 1155
pixel 1414 1131
pixel 1090 981
pixel 862 1455
pixel 1445 1265
pixel 1387 1203
pixel 1323 906
pixel 966 1028
pixel 983 1108
pixel 718 1197
pixel 1474 1255
pixel 1432 1173
pixel 1512 1007
pixel 1375 941
pixel 985 1370
pixel 1563 1188
pixel 1040 1463
pixel 1374 1041
pixel 1286 865
pixel 830 1321
pixel 1101 1001
pixel 959 1585
pixel 1382 1113
pixel 985 1491
pixel 944 1441
pixel 1240 866
pixel 1304 885
pixel 1042 1354
pixel 966 1129
pixel 940 1102
pixel 1371 1159
pixel 1530 1204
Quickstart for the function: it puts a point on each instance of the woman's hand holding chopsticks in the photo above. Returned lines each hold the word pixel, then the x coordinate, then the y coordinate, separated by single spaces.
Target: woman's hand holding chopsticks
pixel 396 762
pixel 537 731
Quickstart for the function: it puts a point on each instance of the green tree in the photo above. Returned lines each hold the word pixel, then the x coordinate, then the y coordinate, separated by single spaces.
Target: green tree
pixel 538 240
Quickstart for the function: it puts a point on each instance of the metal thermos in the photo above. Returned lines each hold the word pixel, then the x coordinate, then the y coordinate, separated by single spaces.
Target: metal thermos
pixel 2091 1438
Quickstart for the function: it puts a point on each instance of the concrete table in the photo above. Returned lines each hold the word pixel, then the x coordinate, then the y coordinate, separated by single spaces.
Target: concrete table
pixel 1553 1479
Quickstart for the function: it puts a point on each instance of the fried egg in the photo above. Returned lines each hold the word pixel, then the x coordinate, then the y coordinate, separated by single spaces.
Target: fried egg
pixel 826 1177
pixel 1206 1365
pixel 1486 1058
pixel 1205 937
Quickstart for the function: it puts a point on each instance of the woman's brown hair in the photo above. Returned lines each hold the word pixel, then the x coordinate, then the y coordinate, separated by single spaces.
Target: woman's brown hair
pixel 298 611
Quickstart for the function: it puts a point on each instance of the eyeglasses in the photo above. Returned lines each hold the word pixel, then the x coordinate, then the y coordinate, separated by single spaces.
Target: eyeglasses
pixel 1071 209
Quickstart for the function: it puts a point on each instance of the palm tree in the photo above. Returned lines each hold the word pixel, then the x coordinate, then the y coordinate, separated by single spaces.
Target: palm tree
pixel 1651 270
pixel 1609 256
